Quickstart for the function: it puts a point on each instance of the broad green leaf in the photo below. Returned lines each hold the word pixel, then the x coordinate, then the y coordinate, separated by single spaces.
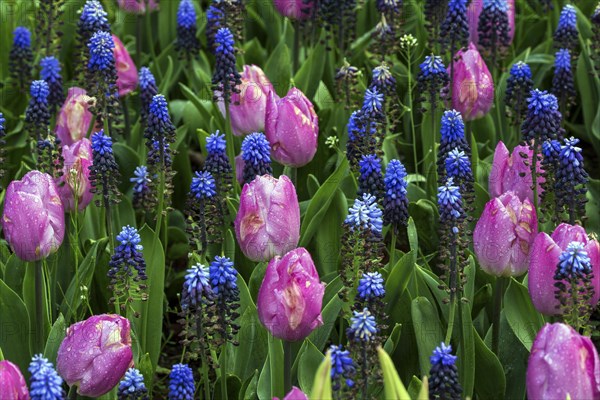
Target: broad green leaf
pixel 55 338
pixel 309 360
pixel 490 381
pixel 321 389
pixel 522 317
pixel 14 320
pixel 392 385
pixel 428 330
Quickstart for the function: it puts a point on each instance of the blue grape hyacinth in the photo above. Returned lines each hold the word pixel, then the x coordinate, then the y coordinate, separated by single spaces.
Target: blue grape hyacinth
pixel 543 119
pixel 181 383
pixel 45 383
pixel 363 326
pixel 187 44
pixel 395 200
pixel 342 367
pixel 432 82
pixel 443 375
pixel 21 57
pixel 371 286
pixel 148 89
pixel 50 72
pixel 563 83
pixel 197 289
pixel 132 386
pixel 518 87
pixel 454 31
pixel 365 214
pixel 566 35
pixel 370 179
pixel 127 264
pixel 450 205
pixel 493 28
pixel 256 153
pixel 226 77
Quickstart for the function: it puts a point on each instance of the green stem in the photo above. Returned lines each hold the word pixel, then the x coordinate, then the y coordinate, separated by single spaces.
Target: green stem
pixel 39 305
pixel 451 320
pixel 73 393
pixel 287 366
pixel 230 145
pixel 411 115
pixel 206 381
pixel 296 50
pixel 138 42
pixel 223 372
pixel 496 313
pixel 392 249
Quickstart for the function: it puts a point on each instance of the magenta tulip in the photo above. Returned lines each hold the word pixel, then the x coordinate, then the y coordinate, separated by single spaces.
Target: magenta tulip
pixel 34 217
pixel 563 364
pixel 290 297
pixel 74 185
pixel 295 9
pixel 12 383
pixel 294 394
pixel 472 87
pixel 127 73
pixel 503 235
pixel 268 221
pixel 248 107
pixel 75 118
pixel 512 172
pixel 292 128
pixel 138 6
pixel 473 13
pixel 95 354
pixel 545 255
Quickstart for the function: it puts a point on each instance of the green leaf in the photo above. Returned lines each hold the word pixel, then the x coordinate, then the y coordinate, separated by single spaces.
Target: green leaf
pixel 321 389
pixel 57 334
pixel 279 69
pixel 309 76
pixel 466 352
pixel 319 204
pixel 330 314
pixel 14 320
pixel 490 382
pixel 428 330
pixel 309 360
pixel 128 160
pixel 397 280
pixel 522 316
pixel 275 367
pixel 392 385
pixel 392 341
pixel 250 355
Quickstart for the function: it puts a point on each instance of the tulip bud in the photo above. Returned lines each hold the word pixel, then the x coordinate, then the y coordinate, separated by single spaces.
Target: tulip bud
pixel 138 6
pixel 544 258
pixel 75 118
pixel 127 74
pixel 504 234
pixel 562 364
pixel 268 221
pixel 95 354
pixel 295 9
pixel 294 394
pixel 12 383
pixel 75 182
pixel 247 108
pixel 472 86
pixel 512 172
pixel 34 217
pixel 292 128
pixel 473 12
pixel 290 297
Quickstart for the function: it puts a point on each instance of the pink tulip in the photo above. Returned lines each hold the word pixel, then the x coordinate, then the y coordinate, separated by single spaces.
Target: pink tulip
pixel 138 6
pixel 512 172
pixel 295 9
pixel 294 394
pixel 75 180
pixel 563 364
pixel 504 234
pixel 268 221
pixel 12 383
pixel 290 297
pixel 75 118
pixel 472 86
pixel 545 255
pixel 95 354
pixel 473 12
pixel 248 107
pixel 127 74
pixel 292 128
pixel 34 217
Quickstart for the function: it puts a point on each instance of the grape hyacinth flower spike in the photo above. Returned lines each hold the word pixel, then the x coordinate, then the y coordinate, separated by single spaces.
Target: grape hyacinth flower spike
pixel 518 86
pixel 45 383
pixel 494 28
pixel 454 30
pixel 452 136
pixel 50 72
pixel 181 383
pixel 37 123
pixel 256 153
pixel 218 164
pixel 443 375
pixel 187 44
pixel 395 200
pixel 432 82
pixel 148 89
pixel 205 218
pixel 566 35
pixel 563 84
pixel 21 57
pixel 363 337
pixel 342 370
pixel 141 191
pixel 132 386
pixel 370 179
pixel 571 180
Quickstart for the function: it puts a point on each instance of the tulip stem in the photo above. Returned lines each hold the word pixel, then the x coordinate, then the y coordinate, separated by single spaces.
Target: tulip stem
pixel 230 146
pixel 39 305
pixel 287 366
pixel 296 55
pixel 72 393
pixel 496 313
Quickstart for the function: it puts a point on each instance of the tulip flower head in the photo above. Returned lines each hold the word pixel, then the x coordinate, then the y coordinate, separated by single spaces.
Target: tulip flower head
pixel 294 394
pixel 518 86
pixel 21 57
pixel 12 382
pixel 74 119
pixel 395 200
pixel 443 375
pixel 562 364
pixel 138 6
pixel 95 354
pixel 295 9
pixel 44 382
pixel 187 44
pixel 132 386
pixel 181 383
pixel 127 75
pixel 74 185
pixel 33 221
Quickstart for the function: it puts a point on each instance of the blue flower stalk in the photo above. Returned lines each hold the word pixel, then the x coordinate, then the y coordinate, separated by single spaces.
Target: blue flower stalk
pixel 218 164
pixel 493 28
pixel 370 179
pixel 518 86
pixel 342 370
pixel 148 89
pixel 574 286
pixel 432 82
pixel 93 18
pixel 383 81
pixel 359 141
pixel 127 270
pixel 363 338
pixel 389 28
pixel 370 293
pixel 571 178
pixel 346 78
pixel 101 77
pixel 50 72
pixel 225 14
pixel 443 375
pixel 37 114
pixel 215 20
pixel 132 386
pixel 204 216
pixel 452 136
pixel 21 58
pixel 435 12
pixel 181 383
pixel 395 199
pixel 566 35
pixel 141 190
pixel 454 31
pixel 256 153
pixel 45 383
pixel 563 83
pixel 458 167
pixel 187 43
